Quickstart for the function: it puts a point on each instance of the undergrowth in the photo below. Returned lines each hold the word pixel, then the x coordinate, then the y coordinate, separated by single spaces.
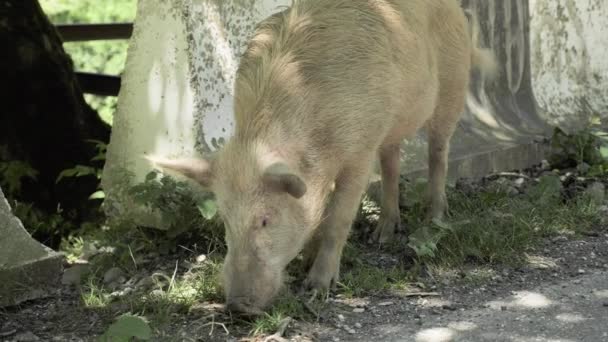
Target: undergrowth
pixel 490 225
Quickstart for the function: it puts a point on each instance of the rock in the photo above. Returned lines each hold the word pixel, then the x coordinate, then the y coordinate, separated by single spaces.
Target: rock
pixel 145 282
pixel 519 182
pixel 349 330
pixel 26 337
pixel 583 168
pixel 28 269
pixel 74 274
pixel 358 310
pixel 560 238
pixel 596 193
pixel 157 293
pixel 385 303
pixel 341 317
pixel 581 271
pixel 201 258
pixel 358 325
pixel 114 275
pixel 544 165
pixel 121 293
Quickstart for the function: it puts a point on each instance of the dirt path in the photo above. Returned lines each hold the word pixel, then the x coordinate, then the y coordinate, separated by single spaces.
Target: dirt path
pixel 572 310
pixel 560 295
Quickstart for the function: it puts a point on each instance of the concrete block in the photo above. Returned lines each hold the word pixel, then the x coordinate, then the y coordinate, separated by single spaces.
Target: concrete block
pixel 28 269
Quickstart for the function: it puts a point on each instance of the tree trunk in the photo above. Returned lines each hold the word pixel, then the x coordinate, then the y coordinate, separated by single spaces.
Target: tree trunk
pixel 44 119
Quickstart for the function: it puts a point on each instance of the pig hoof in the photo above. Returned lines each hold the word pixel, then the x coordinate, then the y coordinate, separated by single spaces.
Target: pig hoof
pixel 316 284
pixel 385 231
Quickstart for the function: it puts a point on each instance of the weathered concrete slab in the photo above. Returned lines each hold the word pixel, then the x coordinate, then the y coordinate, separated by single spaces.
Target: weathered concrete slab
pixel 176 98
pixel 28 269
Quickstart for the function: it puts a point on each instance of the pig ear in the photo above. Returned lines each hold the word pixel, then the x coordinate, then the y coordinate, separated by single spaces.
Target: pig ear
pixel 197 169
pixel 278 177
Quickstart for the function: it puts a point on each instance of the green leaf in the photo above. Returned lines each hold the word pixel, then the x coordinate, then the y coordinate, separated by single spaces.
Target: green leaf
pixel 77 171
pixel 151 176
pixel 208 208
pixel 604 152
pixel 126 327
pixel 97 195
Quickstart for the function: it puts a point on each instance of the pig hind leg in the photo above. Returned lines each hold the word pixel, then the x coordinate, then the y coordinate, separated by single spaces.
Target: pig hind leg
pixel 335 229
pixel 390 218
pixel 440 129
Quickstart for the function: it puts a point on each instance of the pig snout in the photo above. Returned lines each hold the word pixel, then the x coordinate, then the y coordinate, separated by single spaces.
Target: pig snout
pixel 242 305
pixel 250 289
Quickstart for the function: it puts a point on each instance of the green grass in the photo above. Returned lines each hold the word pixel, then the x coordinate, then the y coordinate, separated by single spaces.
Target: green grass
pixel 496 227
pixel 485 228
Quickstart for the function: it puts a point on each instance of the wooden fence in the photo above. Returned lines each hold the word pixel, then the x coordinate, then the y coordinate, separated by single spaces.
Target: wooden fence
pixel 92 83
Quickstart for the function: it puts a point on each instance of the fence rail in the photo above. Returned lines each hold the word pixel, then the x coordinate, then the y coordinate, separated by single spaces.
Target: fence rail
pixel 98 84
pixel 92 83
pixel 88 32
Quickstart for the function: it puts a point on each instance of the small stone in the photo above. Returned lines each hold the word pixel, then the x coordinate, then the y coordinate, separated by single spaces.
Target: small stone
pixel 544 165
pixel 385 303
pixel 519 182
pixel 157 293
pixel 448 307
pixel 350 330
pixel 596 193
pixel 358 325
pixel 336 339
pixel 201 258
pixel 583 168
pixel 581 271
pixel 73 275
pixel 341 317
pixel 26 337
pixel 358 310
pixel 114 275
pixel 560 238
pixel 145 282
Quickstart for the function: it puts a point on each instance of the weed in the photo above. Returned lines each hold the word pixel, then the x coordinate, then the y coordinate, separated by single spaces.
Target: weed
pixel 126 327
pixel 498 227
pixel 588 146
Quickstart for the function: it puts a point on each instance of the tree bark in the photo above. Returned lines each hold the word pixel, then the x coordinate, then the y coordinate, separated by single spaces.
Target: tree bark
pixel 44 119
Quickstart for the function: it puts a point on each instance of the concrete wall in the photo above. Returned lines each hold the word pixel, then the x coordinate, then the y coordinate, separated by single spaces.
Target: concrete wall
pixel 569 59
pixel 176 97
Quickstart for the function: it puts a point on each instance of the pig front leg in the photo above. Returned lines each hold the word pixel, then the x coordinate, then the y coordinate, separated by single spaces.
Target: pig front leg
pixel 390 218
pixel 333 231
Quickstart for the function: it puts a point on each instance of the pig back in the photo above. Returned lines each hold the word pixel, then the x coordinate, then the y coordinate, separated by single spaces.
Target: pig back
pixel 337 73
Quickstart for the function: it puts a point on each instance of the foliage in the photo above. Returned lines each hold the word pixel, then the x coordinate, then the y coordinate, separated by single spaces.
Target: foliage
pixel 12 174
pixel 107 57
pixel 42 223
pixel 126 327
pixel 588 147
pixel 182 210
pixel 495 226
pixel 86 170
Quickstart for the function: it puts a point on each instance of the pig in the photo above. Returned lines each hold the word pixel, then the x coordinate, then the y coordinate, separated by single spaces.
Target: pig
pixel 323 89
